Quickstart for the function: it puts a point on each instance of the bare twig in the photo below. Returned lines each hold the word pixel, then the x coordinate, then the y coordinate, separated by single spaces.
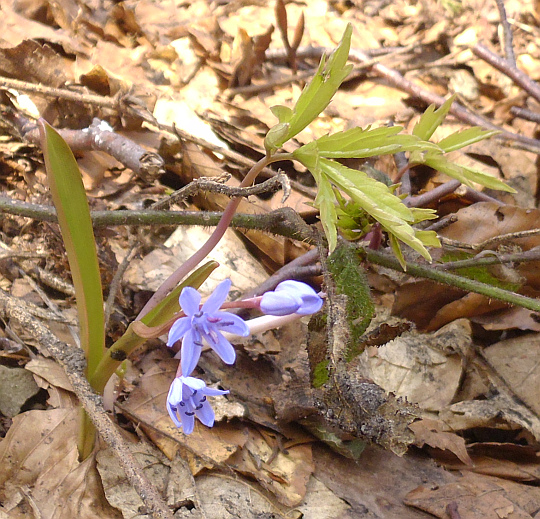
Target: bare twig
pixel 433 195
pixel 73 361
pixel 117 103
pixel 494 258
pixel 517 76
pixel 525 113
pixel 115 284
pixel 507 42
pixel 285 222
pixel 295 269
pixel 281 181
pixel 445 189
pixel 400 82
pixel 99 136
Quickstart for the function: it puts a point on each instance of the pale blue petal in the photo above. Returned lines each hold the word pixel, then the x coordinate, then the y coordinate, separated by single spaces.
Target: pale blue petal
pixel 206 414
pixel 178 330
pixel 190 352
pixel 280 303
pixel 224 349
pixel 295 287
pixel 188 423
pixel 210 391
pixel 172 414
pixel 194 383
pixel 173 398
pixel 175 392
pixel 217 298
pixel 232 323
pixel 190 300
pixel 311 305
pixel 311 302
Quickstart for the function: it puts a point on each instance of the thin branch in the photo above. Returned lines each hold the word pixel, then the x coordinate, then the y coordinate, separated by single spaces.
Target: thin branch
pixel 484 260
pixel 73 362
pixel 398 81
pixel 507 42
pixel 446 278
pixel 115 284
pixel 281 181
pixel 433 195
pixel 116 103
pixel 98 136
pixel 525 113
pixel 517 76
pixel 280 221
pixel 298 268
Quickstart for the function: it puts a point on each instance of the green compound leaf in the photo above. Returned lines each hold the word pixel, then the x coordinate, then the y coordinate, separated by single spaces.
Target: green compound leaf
pixel 464 174
pixel 71 204
pixel 381 204
pixel 362 143
pixel 463 138
pixel 314 98
pixel 431 119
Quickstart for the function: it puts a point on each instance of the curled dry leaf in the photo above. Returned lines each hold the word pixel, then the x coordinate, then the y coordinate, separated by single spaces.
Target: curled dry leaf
pixel 39 452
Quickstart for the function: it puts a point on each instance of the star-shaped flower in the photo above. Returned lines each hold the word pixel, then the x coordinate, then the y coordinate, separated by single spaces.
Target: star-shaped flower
pixel 291 297
pixel 187 400
pixel 206 324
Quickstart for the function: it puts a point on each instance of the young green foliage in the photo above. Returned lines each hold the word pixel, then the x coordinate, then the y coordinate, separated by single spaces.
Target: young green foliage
pixel 314 98
pixel 372 196
pixel 71 204
pixel 376 199
pixel 435 156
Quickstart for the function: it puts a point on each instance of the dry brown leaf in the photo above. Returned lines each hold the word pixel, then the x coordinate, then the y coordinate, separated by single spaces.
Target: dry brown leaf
pixel 284 473
pixel 517 317
pixel 425 368
pixel 477 496
pixel 517 362
pixel 429 432
pixel 500 411
pixel 16 387
pixel 39 453
pixel 119 491
pixel 50 371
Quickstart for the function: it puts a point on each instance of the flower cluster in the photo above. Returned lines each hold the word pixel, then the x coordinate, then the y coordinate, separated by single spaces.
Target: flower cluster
pixel 208 324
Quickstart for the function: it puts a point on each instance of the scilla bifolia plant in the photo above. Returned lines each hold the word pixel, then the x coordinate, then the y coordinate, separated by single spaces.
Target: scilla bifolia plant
pixel 344 195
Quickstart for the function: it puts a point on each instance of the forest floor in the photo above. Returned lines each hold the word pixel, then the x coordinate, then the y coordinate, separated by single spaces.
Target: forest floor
pixel 188 85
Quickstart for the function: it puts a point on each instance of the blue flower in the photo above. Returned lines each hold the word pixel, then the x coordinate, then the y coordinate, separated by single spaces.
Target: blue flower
pixel 205 323
pixel 291 297
pixel 187 400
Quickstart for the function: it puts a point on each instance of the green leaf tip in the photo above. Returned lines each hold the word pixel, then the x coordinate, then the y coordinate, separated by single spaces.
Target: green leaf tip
pixel 315 97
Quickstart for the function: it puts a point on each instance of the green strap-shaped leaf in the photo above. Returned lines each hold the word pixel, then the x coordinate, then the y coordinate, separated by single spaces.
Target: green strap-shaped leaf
pixel 71 204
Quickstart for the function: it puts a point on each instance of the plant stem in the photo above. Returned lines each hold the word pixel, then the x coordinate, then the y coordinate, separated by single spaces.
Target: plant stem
pixel 470 285
pixel 215 237
pixel 87 435
pixel 272 222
